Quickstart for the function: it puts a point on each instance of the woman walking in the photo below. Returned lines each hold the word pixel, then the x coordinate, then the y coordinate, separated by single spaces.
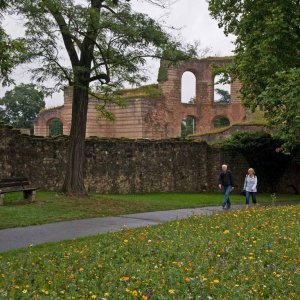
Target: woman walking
pixel 250 186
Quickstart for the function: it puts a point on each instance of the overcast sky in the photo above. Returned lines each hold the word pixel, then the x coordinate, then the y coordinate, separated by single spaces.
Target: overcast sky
pixel 191 17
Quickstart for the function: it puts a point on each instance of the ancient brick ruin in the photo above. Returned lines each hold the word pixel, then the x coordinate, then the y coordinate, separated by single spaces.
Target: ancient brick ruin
pixel 157 117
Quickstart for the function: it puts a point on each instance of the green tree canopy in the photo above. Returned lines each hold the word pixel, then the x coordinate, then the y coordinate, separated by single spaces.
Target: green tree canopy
pixel 106 44
pixel 21 105
pixel 267 57
pixel 12 51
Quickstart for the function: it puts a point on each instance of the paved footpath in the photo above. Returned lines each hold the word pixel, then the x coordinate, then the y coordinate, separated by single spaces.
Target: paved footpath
pixel 14 238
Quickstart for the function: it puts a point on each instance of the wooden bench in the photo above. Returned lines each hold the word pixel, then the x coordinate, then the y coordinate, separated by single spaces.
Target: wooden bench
pixel 19 184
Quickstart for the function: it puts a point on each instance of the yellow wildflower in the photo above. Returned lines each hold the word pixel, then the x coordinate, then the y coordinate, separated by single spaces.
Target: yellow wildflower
pixel 124 278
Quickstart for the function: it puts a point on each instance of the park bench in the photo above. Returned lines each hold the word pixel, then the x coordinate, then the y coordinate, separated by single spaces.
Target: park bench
pixel 18 184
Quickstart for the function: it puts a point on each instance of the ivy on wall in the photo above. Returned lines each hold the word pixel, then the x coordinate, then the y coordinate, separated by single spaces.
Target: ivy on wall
pixel 162 72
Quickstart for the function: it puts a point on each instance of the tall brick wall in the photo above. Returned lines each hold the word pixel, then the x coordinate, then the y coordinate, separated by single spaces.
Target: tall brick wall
pixel 127 166
pixel 156 118
pixel 205 109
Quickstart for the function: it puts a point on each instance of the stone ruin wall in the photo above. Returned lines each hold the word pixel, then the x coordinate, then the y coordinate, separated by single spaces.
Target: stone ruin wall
pixel 157 118
pixel 127 166
pixel 204 110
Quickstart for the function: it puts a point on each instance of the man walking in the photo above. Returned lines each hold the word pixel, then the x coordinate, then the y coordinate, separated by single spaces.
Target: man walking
pixel 226 180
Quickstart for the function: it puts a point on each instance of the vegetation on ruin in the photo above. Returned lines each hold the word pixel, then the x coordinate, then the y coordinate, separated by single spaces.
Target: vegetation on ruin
pixel 162 72
pixel 52 207
pixel 246 254
pixel 256 118
pixel 267 60
pixel 52 108
pixel 145 91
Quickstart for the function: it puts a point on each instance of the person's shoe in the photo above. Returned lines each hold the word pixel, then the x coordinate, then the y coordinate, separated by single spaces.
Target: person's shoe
pixel 228 206
pixel 224 206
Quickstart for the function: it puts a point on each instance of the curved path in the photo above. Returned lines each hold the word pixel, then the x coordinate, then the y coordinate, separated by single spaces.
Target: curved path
pixel 14 238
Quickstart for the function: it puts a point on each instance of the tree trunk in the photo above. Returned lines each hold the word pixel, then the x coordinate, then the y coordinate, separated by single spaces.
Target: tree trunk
pixel 74 180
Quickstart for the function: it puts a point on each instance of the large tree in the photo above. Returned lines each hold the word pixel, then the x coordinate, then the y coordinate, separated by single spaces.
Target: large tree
pixel 12 51
pixel 267 57
pixel 21 105
pixel 106 44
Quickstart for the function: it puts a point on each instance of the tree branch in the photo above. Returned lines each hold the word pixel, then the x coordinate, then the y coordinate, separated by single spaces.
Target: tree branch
pixel 99 77
pixel 66 35
pixel 91 34
pixel 109 9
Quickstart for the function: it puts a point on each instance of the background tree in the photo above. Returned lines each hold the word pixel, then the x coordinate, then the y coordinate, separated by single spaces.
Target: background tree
pixel 225 97
pixel 106 44
pixel 21 105
pixel 12 51
pixel 267 57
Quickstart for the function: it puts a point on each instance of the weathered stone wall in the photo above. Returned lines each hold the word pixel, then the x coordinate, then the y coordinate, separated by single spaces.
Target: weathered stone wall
pixel 125 166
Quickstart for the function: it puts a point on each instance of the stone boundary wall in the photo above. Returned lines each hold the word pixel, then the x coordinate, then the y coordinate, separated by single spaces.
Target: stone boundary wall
pixel 122 166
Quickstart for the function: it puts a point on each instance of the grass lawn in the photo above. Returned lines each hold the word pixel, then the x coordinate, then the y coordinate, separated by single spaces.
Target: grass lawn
pixel 246 254
pixel 51 207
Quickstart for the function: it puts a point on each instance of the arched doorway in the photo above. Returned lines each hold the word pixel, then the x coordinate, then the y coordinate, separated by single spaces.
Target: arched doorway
pixel 55 127
pixel 221 121
pixel 188 126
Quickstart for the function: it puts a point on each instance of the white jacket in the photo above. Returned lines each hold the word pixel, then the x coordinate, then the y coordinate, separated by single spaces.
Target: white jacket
pixel 250 183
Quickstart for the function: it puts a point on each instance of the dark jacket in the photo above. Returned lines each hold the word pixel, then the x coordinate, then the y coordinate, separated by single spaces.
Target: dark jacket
pixel 226 179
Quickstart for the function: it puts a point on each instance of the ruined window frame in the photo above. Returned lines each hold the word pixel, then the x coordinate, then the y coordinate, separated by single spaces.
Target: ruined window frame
pixel 192 99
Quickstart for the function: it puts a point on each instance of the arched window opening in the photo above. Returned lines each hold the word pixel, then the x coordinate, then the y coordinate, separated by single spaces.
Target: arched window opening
pixel 55 127
pixel 188 88
pixel 221 122
pixel 222 90
pixel 188 126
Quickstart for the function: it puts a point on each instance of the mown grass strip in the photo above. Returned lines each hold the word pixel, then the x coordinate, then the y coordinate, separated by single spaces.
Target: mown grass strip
pixel 52 207
pixel 247 254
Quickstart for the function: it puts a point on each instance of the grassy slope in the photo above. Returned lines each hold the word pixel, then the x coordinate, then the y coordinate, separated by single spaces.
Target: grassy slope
pixel 247 254
pixel 51 207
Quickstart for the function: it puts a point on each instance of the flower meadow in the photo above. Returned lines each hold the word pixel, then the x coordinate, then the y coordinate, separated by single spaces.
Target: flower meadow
pixel 246 254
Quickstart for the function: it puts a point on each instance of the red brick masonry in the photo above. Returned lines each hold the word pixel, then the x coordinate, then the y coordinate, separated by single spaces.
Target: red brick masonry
pixel 156 118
